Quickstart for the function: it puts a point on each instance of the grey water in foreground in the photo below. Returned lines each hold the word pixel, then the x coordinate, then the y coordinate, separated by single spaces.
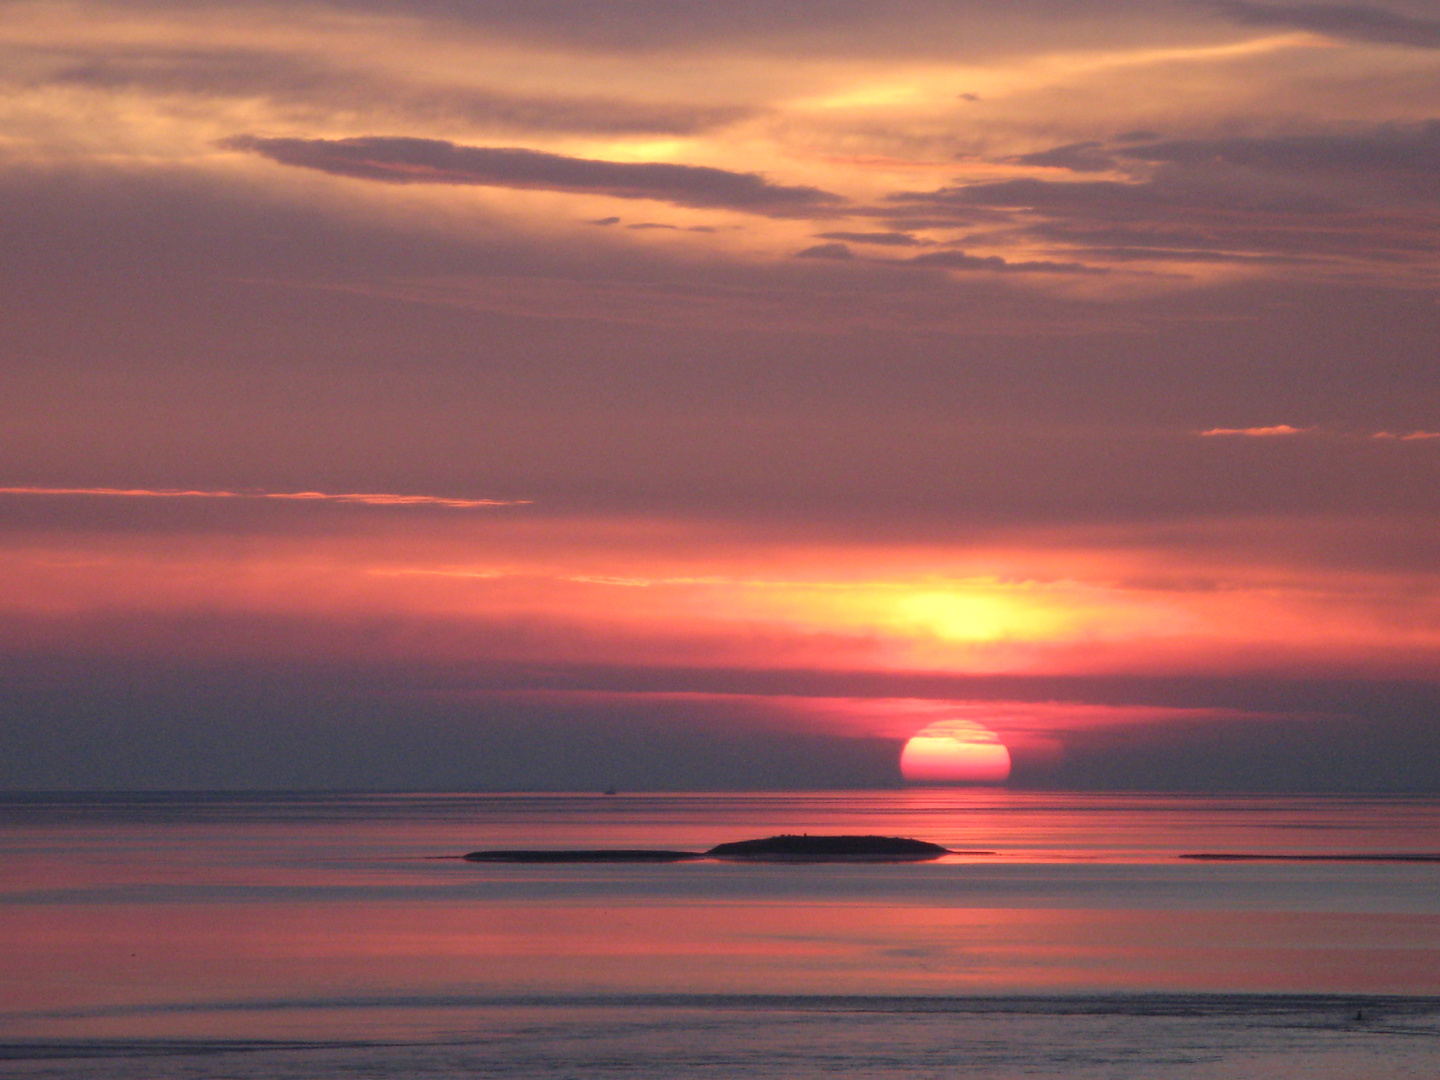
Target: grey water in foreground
pixel 230 937
pixel 1316 1037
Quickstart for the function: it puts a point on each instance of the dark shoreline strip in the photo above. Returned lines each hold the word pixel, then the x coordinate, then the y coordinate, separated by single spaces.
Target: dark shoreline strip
pixel 787 847
pixel 1225 856
pixel 574 855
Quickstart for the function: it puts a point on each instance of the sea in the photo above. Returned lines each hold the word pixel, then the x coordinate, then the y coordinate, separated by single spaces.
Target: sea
pixel 239 936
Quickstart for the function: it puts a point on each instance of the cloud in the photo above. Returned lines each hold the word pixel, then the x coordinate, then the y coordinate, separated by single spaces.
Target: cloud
pixel 959 260
pixel 1189 255
pixel 1353 21
pixel 290 79
pixel 175 722
pixel 401 160
pixel 1318 202
pixel 364 498
pixel 783 29
pixel 1286 429
pixel 1382 747
pixel 826 251
pixel 1258 432
pixel 885 239
pixel 128 284
pixel 1077 157
pixel 1406 151
pixel 1118 197
pixel 1205 173
pixel 160 726
pixel 1174 238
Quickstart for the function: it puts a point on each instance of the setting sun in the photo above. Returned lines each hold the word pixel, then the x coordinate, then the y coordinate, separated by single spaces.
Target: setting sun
pixel 955 752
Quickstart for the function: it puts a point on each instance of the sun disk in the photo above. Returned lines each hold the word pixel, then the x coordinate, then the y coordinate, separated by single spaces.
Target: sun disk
pixel 955 752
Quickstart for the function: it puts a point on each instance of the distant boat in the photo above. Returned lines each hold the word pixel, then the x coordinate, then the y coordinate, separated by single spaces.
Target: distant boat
pixel 610 791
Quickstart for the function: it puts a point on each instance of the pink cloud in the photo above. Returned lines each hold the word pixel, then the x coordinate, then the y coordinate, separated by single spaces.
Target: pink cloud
pixel 1258 432
pixel 366 498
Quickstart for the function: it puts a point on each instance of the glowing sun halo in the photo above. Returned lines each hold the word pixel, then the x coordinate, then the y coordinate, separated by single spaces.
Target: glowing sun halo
pixel 955 752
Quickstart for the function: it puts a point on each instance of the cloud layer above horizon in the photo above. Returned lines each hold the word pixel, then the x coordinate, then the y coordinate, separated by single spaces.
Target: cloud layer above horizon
pixel 690 374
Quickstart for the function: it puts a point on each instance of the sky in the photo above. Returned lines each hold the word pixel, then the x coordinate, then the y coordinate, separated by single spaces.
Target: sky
pixel 569 393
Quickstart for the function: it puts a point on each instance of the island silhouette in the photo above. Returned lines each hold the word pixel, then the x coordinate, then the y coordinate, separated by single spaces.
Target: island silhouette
pixel 804 846
pixel 787 847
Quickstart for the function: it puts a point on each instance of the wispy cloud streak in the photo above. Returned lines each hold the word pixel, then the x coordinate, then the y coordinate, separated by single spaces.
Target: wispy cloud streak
pixel 1353 21
pixel 1277 431
pixel 370 498
pixel 1285 430
pixel 401 160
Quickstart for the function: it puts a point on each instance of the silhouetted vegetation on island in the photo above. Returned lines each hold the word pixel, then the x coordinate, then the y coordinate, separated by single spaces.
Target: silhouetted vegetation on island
pixel 790 846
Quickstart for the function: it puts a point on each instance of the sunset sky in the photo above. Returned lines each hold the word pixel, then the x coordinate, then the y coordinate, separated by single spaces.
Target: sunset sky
pixel 521 394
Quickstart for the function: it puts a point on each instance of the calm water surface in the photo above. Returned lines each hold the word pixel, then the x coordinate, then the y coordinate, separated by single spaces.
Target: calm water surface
pixel 318 935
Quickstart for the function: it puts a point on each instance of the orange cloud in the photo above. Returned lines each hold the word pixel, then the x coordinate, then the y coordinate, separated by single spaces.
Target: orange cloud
pixel 1258 432
pixel 525 590
pixel 1281 430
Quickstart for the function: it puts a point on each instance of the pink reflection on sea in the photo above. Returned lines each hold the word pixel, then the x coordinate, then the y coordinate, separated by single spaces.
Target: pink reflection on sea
pixel 73 959
pixel 223 919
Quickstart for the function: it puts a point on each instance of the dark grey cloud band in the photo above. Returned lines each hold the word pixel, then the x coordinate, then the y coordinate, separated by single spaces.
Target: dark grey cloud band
pixel 401 160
